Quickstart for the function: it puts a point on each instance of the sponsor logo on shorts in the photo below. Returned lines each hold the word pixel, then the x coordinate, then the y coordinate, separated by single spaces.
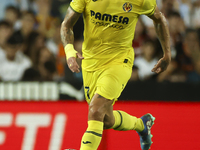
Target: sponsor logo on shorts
pixel 127 7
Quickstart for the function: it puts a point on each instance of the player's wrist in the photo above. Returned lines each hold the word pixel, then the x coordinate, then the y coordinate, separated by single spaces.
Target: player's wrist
pixel 167 55
pixel 70 51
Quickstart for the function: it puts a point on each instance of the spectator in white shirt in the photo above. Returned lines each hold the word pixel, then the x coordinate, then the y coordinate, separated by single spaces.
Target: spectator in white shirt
pixel 15 62
pixel 145 63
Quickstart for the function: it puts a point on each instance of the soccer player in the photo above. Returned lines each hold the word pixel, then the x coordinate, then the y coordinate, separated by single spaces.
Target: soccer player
pixel 107 61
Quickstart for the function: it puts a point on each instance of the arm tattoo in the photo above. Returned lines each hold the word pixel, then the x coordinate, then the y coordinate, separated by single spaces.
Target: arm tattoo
pixel 164 65
pixel 67 34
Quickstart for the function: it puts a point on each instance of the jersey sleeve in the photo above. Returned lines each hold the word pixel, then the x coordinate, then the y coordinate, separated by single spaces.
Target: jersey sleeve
pixel 148 7
pixel 78 5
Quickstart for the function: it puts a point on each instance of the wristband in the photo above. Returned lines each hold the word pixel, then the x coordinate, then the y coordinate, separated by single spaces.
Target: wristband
pixel 70 51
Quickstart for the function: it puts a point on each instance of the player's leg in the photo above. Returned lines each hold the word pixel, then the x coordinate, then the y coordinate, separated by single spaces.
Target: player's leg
pixel 99 107
pixel 110 84
pixel 117 76
pixel 125 121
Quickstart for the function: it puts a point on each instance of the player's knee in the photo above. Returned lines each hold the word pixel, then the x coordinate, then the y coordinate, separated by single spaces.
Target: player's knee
pixel 96 113
pixel 108 124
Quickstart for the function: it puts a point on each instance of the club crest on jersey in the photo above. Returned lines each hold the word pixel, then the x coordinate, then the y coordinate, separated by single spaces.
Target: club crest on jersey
pixel 127 7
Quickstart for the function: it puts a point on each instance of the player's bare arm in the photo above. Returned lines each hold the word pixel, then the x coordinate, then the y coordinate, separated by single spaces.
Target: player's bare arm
pixel 67 37
pixel 162 31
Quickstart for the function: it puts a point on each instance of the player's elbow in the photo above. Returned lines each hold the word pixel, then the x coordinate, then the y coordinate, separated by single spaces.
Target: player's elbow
pixel 160 19
pixel 64 24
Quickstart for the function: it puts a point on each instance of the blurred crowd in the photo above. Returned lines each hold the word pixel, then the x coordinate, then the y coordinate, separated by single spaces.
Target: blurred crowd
pixel 30 44
pixel 31 48
pixel 183 17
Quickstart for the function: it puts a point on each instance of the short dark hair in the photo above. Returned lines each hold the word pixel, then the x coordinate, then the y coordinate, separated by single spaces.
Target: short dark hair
pixel 14 9
pixel 190 30
pixel 15 38
pixel 174 14
pixel 50 66
pixel 28 12
pixel 5 23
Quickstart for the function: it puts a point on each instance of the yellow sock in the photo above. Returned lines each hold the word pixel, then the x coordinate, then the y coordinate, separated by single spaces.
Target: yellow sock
pixel 124 122
pixel 92 137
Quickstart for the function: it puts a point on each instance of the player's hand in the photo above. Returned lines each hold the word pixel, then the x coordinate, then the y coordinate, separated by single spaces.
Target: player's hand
pixel 72 63
pixel 162 64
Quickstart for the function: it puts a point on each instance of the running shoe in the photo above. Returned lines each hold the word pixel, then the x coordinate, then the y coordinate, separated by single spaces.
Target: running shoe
pixel 145 135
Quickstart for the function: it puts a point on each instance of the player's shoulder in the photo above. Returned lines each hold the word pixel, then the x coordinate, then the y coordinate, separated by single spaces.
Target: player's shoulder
pixel 144 4
pixel 85 1
pixel 143 1
pixel 149 2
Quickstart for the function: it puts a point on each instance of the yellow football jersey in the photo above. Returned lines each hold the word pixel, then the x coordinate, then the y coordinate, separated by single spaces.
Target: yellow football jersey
pixel 109 27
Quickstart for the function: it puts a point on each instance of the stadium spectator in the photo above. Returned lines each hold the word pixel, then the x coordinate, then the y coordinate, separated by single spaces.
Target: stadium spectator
pixel 12 14
pixel 188 51
pixel 191 48
pixel 4 4
pixel 33 44
pixel 15 62
pixel 176 27
pixel 5 32
pixel 167 7
pixel 54 41
pixel 145 62
pixel 46 65
pixel 28 23
pixel 41 28
pixel 183 67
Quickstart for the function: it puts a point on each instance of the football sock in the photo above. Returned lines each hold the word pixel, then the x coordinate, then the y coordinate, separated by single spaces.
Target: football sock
pixel 124 122
pixel 92 137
